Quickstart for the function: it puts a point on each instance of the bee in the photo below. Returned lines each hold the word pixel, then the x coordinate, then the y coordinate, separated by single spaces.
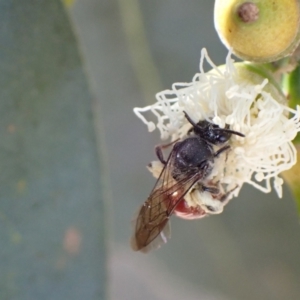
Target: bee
pixel 187 167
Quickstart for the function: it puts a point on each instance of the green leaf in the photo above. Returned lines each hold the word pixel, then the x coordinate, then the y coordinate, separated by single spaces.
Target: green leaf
pixel 51 209
pixel 293 87
pixel 291 84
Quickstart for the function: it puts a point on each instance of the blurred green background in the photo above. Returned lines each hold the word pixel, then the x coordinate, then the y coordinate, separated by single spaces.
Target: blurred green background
pixel 73 159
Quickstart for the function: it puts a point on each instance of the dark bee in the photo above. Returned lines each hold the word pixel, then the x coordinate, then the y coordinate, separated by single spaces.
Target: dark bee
pixel 190 161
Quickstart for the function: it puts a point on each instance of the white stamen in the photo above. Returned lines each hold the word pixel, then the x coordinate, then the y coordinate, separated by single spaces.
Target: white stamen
pixel 221 97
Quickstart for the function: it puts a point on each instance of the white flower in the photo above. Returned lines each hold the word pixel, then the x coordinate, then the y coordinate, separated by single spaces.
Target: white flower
pixel 225 96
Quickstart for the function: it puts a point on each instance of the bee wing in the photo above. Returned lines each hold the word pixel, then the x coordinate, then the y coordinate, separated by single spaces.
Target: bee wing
pixel 151 225
pixel 160 239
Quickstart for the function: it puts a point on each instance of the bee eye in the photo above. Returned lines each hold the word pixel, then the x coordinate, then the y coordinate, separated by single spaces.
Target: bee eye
pixel 223 138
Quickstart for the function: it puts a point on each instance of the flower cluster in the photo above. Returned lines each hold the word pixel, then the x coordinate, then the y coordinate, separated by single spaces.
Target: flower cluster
pixel 222 96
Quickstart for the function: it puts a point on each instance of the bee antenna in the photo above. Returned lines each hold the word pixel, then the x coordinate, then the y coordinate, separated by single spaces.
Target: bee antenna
pixel 214 129
pixel 189 119
pixel 229 131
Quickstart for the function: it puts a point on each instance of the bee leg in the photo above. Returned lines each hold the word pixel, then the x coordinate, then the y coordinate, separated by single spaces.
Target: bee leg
pixel 190 130
pixel 159 151
pixel 224 197
pixel 160 155
pixel 221 150
pixel 210 189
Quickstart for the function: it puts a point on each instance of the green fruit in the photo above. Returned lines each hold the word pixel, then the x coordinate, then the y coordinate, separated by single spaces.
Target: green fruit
pixel 260 30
